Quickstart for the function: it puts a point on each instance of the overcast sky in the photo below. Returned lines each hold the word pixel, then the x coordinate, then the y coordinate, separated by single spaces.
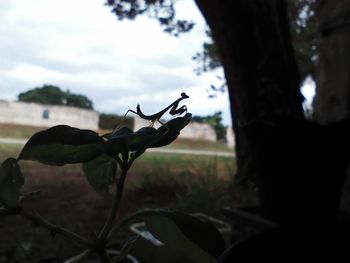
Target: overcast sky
pixel 80 45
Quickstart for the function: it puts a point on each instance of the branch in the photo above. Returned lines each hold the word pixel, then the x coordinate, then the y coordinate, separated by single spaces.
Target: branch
pixel 37 219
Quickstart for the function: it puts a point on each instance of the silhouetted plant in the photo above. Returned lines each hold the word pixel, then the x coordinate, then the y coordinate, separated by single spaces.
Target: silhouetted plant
pixel 106 161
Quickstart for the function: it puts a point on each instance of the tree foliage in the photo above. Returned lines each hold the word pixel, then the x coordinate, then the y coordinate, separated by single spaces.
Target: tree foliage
pixel 304 19
pixel 162 10
pixel 303 16
pixel 49 94
pixel 208 58
pixel 254 84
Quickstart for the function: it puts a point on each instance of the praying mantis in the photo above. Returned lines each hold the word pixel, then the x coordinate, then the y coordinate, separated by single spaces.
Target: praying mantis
pixel 173 110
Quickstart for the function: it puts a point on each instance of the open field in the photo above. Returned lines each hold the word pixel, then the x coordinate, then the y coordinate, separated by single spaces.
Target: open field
pixel 185 182
pixel 24 132
pixel 9 150
pixel 198 145
pixel 18 131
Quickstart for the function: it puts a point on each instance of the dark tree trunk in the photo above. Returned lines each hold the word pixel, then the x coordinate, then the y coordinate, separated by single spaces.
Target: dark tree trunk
pixel 286 151
pixel 256 51
pixel 245 175
pixel 332 101
pixel 252 41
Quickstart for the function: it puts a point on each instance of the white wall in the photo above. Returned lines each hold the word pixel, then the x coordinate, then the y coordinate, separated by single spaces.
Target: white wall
pixel 33 114
pixel 201 131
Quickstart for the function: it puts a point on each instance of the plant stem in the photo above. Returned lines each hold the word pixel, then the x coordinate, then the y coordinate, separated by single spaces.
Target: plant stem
pixel 36 218
pixel 116 203
pixel 137 216
pixel 103 256
pixel 109 230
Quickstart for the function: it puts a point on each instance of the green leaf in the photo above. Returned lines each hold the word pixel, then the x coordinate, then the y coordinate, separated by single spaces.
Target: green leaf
pixel 189 235
pixel 100 173
pixel 61 145
pixel 122 131
pixel 147 137
pixel 126 140
pixel 142 138
pixel 11 181
pixel 116 141
pixel 193 237
pixel 82 257
pixel 170 130
pixel 125 250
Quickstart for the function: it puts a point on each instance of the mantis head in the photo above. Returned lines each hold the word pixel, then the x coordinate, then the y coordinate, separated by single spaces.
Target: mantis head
pixel 184 95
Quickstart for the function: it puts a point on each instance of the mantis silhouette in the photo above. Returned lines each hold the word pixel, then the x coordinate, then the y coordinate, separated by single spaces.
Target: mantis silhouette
pixel 156 117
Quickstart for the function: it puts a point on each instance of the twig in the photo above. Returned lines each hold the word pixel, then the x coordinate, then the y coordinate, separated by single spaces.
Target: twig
pixel 36 218
pixel 117 199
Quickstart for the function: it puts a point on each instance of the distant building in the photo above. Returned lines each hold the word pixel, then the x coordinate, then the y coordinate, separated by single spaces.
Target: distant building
pixel 200 131
pixel 34 114
pixel 41 115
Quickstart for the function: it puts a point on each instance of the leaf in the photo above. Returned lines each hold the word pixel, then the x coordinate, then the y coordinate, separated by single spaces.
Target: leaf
pixel 193 237
pixel 126 140
pixel 146 137
pixel 126 249
pixel 100 173
pixel 116 141
pixel 121 132
pixel 199 240
pixel 61 145
pixel 142 138
pixel 166 230
pixel 171 130
pixel 11 181
pixel 114 146
pixel 82 257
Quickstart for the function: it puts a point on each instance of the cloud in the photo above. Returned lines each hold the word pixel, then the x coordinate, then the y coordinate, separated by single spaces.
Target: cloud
pixel 79 45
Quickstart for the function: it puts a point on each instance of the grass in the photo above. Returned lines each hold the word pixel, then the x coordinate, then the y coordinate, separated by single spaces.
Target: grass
pixel 177 180
pixel 157 179
pixel 175 164
pixel 9 150
pixel 199 145
pixel 185 182
pixel 191 190
pixel 23 132
pixel 18 131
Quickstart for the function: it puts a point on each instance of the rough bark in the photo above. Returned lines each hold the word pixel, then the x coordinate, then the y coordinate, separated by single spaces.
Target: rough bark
pixel 253 38
pixel 294 180
pixel 332 101
pixel 261 72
